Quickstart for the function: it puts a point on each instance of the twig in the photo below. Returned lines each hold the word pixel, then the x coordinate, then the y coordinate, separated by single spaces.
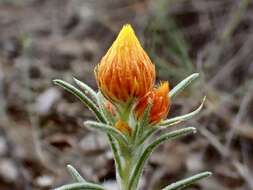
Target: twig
pixel 241 169
pixel 3 114
pixel 33 118
pixel 244 52
pixel 244 172
pixel 214 141
pixel 238 118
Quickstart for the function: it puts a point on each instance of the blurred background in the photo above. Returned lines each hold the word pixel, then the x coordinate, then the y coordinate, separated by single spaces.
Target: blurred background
pixel 40 124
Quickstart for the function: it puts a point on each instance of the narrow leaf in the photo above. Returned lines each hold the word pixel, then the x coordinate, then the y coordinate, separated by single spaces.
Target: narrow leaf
pixel 75 174
pixel 108 129
pixel 183 84
pixel 178 119
pixel 149 149
pixel 87 89
pixel 153 130
pixel 88 102
pixel 93 107
pixel 101 103
pixel 116 154
pixel 81 186
pixel 143 123
pixel 147 134
pixel 185 182
pixel 145 117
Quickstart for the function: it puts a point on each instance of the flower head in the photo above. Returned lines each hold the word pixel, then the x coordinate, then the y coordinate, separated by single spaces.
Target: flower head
pixel 125 71
pixel 160 103
pixel 110 107
pixel 123 127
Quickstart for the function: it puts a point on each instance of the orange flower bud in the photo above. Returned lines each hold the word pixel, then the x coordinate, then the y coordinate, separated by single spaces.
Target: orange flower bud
pixel 125 71
pixel 123 127
pixel 110 108
pixel 160 103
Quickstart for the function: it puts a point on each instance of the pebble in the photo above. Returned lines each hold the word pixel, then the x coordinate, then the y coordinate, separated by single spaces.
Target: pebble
pixel 8 171
pixel 45 181
pixel 3 146
pixel 93 143
pixel 112 185
pixel 46 100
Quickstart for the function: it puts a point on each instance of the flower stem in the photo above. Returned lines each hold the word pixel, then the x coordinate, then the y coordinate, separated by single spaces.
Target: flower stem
pixel 129 158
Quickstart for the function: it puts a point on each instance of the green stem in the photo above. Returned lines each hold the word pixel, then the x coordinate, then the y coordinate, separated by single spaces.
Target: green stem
pixel 126 166
pixel 142 157
pixel 129 158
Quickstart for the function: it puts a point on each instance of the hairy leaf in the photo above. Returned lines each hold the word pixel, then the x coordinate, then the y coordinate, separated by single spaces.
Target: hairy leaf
pixel 185 182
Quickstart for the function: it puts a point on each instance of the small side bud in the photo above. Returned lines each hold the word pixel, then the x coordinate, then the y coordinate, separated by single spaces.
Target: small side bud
pixel 123 127
pixel 160 103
